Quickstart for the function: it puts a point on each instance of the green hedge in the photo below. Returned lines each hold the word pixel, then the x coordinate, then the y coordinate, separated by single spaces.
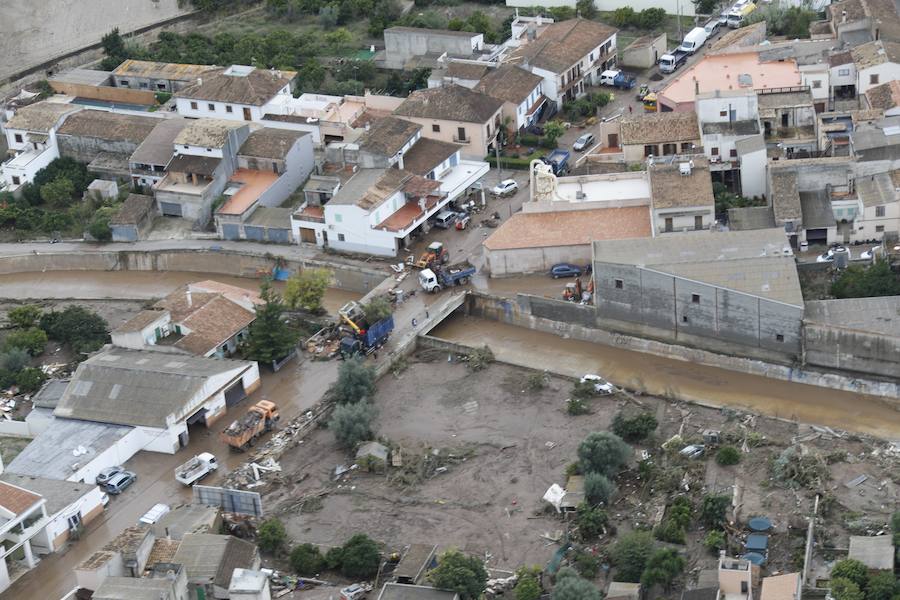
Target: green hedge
pixel 511 163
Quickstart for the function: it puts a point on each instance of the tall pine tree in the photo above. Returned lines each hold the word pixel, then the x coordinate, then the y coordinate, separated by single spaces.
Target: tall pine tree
pixel 270 338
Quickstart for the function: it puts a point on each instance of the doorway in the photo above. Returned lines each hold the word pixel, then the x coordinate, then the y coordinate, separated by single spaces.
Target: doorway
pixel 613 140
pixel 247 116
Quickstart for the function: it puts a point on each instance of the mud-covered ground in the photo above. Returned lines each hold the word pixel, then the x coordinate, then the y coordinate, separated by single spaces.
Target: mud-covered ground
pixel 501 446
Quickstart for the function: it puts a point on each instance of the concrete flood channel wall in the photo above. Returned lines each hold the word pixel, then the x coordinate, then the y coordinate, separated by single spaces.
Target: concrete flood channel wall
pixel 518 337
pixel 347 276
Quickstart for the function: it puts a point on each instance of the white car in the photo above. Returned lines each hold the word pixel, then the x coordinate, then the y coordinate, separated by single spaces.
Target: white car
pixel 507 187
pixel 828 255
pixel 870 253
pixel 155 514
pixel 601 386
pixel 354 592
pixel 584 141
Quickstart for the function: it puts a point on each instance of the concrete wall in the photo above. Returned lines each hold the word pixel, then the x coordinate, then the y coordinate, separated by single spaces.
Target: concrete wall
pixel 226 262
pixel 674 309
pixel 401 45
pixel 580 323
pixel 85 149
pixel 106 93
pixel 644 56
pixel 835 347
pixel 503 263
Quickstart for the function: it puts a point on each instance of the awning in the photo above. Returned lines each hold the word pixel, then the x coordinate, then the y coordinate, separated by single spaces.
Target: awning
pixel 542 99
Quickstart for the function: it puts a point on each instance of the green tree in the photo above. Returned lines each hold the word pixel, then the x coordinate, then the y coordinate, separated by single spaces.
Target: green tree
pixel 271 536
pixel 895 527
pixel 82 329
pixel 586 563
pixel 603 452
pixel 586 9
pixel 630 555
pixel 460 573
pixel 58 193
pixel 591 521
pixel 636 428
pixel 311 75
pixel 651 18
pixel 598 489
pixel 571 586
pixel 714 541
pixel 728 455
pixel 624 16
pixel 306 560
pixel 352 423
pixel 355 382
pixel 306 289
pixel 858 281
pixel 376 309
pixel 844 589
pixel 360 557
pixel 852 569
pixel 31 340
pixel 705 7
pixel 270 337
pixel 553 130
pixel 99 228
pixel 24 316
pixel 14 360
pixel 663 567
pixel 882 586
pixel 713 509
pixel 114 50
pixel 333 558
pixel 30 379
pixel 528 586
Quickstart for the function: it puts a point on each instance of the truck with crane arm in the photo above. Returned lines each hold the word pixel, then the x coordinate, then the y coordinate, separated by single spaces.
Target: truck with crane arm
pixel 362 338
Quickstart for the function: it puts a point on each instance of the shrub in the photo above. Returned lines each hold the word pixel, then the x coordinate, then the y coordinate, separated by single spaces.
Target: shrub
pixel 663 567
pixel 306 289
pixel 636 428
pixel 678 517
pixel 528 586
pixel 24 316
pixel 271 536
pixel 587 564
pixel 355 382
pixel 99 228
pixel 714 541
pixel 571 586
pixel 598 489
pixel 728 455
pixel 461 573
pixel 603 452
pixel 306 560
pixel 30 379
pixel 31 340
pixel 14 360
pixel 713 509
pixel 333 558
pixel 577 406
pixel 360 557
pixel 851 569
pixel 536 381
pixel 83 330
pixel 630 555
pixel 352 423
pixel 624 16
pixel 591 520
pixel 844 589
pixel 882 586
pixel 480 358
pixel 857 281
pixel 377 308
pixel 651 18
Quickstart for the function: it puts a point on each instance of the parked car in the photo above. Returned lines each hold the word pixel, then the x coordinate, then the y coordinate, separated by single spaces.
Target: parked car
pixel 507 187
pixel 445 219
pixel 693 451
pixel 585 141
pixel 119 482
pixel 601 386
pixel 565 270
pixel 828 255
pixel 354 592
pixel 870 253
pixel 713 26
pixel 462 220
pixel 155 514
pixel 108 473
pixel 723 18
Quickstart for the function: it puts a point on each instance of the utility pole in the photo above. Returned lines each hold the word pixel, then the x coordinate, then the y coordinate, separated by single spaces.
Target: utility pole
pixel 497 154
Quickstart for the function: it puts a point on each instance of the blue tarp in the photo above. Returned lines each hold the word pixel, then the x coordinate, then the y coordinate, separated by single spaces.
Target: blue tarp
pixel 755 558
pixel 760 524
pixel 757 542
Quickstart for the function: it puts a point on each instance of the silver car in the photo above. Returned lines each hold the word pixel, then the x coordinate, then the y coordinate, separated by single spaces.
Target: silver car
pixel 108 473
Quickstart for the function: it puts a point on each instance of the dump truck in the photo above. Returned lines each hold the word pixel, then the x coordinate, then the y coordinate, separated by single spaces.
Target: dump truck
pixel 436 253
pixel 617 79
pixel 434 280
pixel 670 61
pixel 196 469
pixel 558 161
pixel 242 433
pixel 367 340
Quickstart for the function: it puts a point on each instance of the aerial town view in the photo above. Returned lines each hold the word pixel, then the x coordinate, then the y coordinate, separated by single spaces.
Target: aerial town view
pixel 450 299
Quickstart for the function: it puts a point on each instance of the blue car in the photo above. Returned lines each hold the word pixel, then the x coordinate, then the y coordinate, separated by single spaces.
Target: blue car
pixel 565 270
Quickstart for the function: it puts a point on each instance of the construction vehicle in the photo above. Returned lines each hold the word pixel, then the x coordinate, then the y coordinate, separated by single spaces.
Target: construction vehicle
pixel 575 291
pixel 649 102
pixel 438 278
pixel 670 61
pixel 642 92
pixel 361 338
pixel 196 469
pixel 558 161
pixel 260 419
pixel 436 253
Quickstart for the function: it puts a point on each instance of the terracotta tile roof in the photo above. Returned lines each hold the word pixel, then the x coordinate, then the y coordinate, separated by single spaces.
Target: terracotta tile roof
pixel 40 116
pixel 15 499
pixel 840 58
pixel 563 44
pixel 745 36
pixel 385 137
pixel 270 143
pixel 660 128
pixel 214 323
pixel 163 551
pixel 191 163
pixel 885 96
pixel 569 228
pixel 785 196
pixel 875 53
pixel 254 89
pixel 207 133
pixel 670 189
pixel 114 127
pixel 426 154
pixel 509 83
pixel 450 103
pixel 854 9
pixel 467 71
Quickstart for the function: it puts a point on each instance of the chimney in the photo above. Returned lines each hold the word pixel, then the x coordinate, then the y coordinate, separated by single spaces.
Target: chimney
pixel 199 81
pixel 189 300
pixel 843 16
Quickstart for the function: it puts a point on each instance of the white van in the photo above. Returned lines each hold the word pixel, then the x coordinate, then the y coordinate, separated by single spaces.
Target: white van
pixel 694 40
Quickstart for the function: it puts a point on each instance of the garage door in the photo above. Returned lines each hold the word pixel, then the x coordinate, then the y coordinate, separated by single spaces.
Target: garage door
pixel 231 232
pixel 280 236
pixel 307 235
pixel 817 236
pixel 170 209
pixel 235 394
pixel 257 234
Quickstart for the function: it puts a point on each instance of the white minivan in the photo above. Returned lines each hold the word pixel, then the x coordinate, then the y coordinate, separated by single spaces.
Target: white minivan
pixel 694 40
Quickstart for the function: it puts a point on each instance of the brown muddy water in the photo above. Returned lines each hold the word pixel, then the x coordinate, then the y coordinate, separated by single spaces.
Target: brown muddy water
pixel 678 379
pixel 128 285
